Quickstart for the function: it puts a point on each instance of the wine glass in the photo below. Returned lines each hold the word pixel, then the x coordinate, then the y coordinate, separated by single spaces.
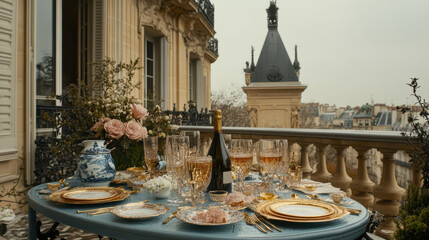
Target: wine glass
pixel 270 155
pixel 150 145
pixel 241 155
pixel 177 151
pixel 198 172
pixel 283 169
pixel 194 141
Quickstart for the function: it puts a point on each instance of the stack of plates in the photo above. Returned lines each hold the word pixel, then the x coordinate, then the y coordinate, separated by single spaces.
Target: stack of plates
pixel 90 195
pixel 301 210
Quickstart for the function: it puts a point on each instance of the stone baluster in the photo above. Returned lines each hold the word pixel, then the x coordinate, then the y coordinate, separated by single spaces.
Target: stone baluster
pixel 322 174
pixel 305 163
pixel 388 195
pixel 361 185
pixel 341 179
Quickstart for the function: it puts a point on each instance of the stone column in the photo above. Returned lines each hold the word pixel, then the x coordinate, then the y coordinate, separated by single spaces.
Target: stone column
pixel 341 179
pixel 305 163
pixel 388 195
pixel 361 185
pixel 321 174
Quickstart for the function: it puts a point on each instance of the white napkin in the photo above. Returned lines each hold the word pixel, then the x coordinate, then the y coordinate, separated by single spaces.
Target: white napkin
pixel 322 188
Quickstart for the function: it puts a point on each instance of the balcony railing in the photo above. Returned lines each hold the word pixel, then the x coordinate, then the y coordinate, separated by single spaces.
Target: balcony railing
pixel 213 46
pixel 206 8
pixel 384 197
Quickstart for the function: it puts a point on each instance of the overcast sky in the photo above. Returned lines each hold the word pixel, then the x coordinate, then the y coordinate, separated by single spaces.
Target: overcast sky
pixel 350 51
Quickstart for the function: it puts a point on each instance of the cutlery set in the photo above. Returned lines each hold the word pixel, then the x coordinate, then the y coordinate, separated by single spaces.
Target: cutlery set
pixel 255 220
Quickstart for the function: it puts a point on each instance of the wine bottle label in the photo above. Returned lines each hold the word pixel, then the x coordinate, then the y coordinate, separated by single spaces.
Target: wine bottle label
pixel 227 177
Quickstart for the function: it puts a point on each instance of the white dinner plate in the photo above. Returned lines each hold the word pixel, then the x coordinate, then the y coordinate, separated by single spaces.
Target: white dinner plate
pixel 140 211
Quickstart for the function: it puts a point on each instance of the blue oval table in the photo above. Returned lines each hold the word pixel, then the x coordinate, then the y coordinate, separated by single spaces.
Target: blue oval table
pixel 349 227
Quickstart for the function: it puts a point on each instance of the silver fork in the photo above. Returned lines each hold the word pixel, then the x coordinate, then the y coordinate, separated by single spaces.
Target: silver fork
pixel 256 219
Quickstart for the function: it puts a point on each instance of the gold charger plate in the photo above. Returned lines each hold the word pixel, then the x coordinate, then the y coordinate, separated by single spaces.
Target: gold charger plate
pixel 139 211
pixel 187 214
pixel 89 194
pixel 302 209
pixel 121 195
pixel 264 210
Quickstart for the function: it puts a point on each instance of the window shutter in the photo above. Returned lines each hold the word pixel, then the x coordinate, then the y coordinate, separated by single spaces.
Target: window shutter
pixel 7 76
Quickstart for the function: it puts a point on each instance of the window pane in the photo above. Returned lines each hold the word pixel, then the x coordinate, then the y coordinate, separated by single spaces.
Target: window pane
pixel 149 50
pixel 149 66
pixel 45 82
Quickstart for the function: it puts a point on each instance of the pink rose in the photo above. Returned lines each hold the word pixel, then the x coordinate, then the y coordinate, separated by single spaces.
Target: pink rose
pixel 114 128
pixel 138 111
pixel 96 126
pixel 135 131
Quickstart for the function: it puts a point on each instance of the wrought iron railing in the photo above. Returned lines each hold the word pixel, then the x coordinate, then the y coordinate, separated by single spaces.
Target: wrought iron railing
pixel 190 116
pixel 213 46
pixel 206 8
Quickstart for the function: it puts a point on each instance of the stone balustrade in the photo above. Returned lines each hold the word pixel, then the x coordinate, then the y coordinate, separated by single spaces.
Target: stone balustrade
pixel 383 197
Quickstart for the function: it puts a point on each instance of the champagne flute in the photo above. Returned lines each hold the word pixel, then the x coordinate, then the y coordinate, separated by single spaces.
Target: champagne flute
pixel 150 145
pixel 241 155
pixel 283 169
pixel 270 155
pixel 177 151
pixel 194 141
pixel 198 172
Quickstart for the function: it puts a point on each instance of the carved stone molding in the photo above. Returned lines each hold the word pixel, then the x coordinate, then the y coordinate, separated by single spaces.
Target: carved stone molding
pixel 153 13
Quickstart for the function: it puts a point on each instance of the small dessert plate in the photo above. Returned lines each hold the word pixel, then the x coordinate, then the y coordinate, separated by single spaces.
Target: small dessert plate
pixel 140 211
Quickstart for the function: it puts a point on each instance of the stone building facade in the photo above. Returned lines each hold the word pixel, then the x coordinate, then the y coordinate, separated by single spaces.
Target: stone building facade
pixel 46 45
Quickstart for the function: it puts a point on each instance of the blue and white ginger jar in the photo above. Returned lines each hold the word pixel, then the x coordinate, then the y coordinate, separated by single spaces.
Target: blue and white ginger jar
pixel 96 166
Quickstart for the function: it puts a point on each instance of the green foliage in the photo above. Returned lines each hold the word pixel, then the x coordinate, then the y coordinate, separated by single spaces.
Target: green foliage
pixel 414 215
pixel 418 137
pixel 111 96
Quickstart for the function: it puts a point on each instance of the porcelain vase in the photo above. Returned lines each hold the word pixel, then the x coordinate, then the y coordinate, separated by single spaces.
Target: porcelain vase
pixel 96 166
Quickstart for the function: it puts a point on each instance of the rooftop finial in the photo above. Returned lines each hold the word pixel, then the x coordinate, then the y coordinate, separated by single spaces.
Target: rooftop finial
pixel 296 62
pixel 272 15
pixel 252 65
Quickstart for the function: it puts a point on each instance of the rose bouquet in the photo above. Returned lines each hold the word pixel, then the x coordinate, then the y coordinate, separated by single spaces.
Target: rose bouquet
pixel 108 109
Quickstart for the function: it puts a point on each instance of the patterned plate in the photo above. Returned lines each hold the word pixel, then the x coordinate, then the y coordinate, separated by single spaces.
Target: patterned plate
pixel 187 214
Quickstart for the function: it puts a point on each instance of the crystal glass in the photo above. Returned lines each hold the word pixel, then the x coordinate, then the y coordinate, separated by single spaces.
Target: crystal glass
pixel 150 145
pixel 177 151
pixel 270 156
pixel 241 155
pixel 194 142
pixel 227 138
pixel 282 169
pixel 199 173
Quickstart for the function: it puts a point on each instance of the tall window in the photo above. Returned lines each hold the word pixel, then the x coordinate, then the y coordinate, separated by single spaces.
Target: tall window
pixel 193 80
pixel 155 71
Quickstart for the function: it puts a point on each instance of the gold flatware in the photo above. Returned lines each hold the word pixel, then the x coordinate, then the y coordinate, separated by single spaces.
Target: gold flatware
pixel 266 221
pixel 250 222
pixel 256 220
pixel 353 211
pixel 108 208
pixel 169 217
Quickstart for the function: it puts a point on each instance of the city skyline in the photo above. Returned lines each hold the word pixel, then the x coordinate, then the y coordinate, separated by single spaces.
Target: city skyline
pixel 351 52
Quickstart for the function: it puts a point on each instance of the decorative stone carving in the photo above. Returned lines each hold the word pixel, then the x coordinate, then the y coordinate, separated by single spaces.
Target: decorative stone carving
pixel 151 14
pixel 294 118
pixel 253 113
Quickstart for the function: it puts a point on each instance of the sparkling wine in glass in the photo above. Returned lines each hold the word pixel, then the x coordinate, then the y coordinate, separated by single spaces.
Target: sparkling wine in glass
pixel 241 155
pixel 198 171
pixel 150 145
pixel 270 155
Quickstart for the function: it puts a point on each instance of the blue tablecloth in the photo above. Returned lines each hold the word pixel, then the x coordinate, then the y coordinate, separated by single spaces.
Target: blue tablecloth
pixel 349 227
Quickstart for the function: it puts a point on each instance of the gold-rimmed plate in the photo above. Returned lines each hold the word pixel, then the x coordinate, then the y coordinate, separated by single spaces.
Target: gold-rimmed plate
pixel 265 210
pixel 302 209
pixel 139 211
pixel 186 215
pixel 89 194
pixel 121 195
